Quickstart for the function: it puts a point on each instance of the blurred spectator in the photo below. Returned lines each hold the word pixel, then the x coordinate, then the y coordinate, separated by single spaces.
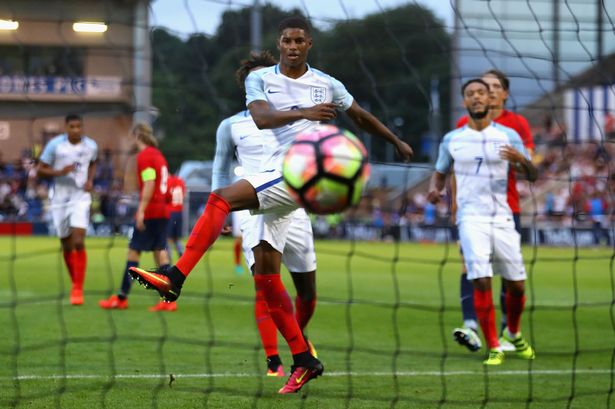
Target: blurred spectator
pixel 104 170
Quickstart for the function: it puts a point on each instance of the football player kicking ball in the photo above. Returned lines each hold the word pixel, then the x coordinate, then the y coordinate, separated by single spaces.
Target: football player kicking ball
pixel 481 154
pixel 287 98
pixel 151 218
pixel 499 84
pixel 238 134
pixel 70 160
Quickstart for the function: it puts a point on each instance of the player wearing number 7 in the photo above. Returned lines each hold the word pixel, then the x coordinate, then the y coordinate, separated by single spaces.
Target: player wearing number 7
pixel 481 155
pixel 151 218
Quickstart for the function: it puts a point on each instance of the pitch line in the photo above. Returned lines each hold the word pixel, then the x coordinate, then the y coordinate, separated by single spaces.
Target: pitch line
pixel 327 374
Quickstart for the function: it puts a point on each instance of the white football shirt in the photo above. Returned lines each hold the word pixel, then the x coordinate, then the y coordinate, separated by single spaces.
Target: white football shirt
pixel 238 135
pixel 60 152
pixel 284 94
pixel 480 173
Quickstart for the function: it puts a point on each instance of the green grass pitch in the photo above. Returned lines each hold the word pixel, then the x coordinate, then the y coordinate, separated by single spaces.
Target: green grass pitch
pixel 375 316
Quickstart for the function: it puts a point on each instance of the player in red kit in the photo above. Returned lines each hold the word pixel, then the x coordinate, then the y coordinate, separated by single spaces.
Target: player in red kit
pixel 151 218
pixel 499 85
pixel 177 192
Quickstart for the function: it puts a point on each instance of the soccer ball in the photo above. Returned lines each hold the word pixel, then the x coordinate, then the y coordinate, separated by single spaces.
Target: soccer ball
pixel 325 169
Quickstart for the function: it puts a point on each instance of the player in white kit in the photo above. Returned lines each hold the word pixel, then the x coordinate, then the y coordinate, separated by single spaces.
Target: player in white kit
pixel 70 160
pixel 287 98
pixel 481 153
pixel 239 135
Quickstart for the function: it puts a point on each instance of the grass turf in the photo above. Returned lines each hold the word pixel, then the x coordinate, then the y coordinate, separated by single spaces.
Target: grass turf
pixel 382 309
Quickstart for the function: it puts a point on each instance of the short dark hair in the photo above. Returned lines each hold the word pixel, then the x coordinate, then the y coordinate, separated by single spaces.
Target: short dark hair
pixel 294 22
pixel 503 78
pixel 470 81
pixel 262 59
pixel 73 117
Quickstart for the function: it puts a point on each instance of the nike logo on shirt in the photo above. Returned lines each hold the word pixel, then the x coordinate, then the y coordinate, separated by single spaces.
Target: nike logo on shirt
pixel 273 92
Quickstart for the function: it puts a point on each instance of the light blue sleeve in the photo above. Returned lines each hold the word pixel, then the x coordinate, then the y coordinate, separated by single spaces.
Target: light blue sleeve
pixel 516 142
pixel 49 152
pixel 223 157
pixel 341 96
pixel 255 87
pixel 94 147
pixel 445 160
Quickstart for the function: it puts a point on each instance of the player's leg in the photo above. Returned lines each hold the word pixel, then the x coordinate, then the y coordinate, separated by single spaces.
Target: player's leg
pixel 507 346
pixel 299 258
pixel 476 243
pixel 264 191
pixel 508 262
pixel 79 220
pixel 267 279
pixel 61 220
pixel 268 257
pixel 249 227
pixel 467 335
pixel 239 195
pixel 79 257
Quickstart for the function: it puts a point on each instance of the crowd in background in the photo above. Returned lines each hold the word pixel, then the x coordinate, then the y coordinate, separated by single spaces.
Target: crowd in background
pixel 576 187
pixel 24 196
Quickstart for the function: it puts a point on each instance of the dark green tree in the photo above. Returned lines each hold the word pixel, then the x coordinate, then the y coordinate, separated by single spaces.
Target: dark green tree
pixel 386 60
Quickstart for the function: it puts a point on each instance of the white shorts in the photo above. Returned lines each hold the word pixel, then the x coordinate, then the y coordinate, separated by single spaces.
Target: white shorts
pixel 290 234
pixel 70 211
pixel 271 192
pixel 236 218
pixel 489 248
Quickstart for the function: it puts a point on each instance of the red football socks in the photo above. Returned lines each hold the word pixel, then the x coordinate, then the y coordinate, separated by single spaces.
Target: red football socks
pixel 514 309
pixel 204 233
pixel 80 261
pixel 266 326
pixel 237 251
pixel 304 309
pixel 281 310
pixel 68 260
pixel 483 305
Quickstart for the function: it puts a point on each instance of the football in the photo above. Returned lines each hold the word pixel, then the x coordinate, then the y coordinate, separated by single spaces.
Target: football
pixel 326 169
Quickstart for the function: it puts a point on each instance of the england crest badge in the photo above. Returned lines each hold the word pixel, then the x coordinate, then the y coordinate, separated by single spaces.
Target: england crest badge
pixel 319 94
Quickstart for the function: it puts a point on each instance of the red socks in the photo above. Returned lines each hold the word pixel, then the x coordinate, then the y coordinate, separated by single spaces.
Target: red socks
pixel 80 260
pixel 514 308
pixel 68 260
pixel 281 310
pixel 266 326
pixel 483 305
pixel 76 262
pixel 304 309
pixel 204 233
pixel 237 251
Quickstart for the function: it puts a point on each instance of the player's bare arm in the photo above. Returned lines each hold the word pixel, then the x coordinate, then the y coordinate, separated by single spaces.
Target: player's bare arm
pixel 89 183
pixel 520 162
pixel 267 117
pixel 369 123
pixel 146 195
pixel 438 182
pixel 453 180
pixel 46 171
